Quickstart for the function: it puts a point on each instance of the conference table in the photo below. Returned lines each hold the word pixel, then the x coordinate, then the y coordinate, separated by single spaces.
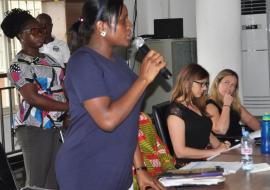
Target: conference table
pixel 241 180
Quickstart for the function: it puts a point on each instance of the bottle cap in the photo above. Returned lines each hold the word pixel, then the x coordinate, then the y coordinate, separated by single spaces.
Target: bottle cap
pixel 266 116
pixel 245 133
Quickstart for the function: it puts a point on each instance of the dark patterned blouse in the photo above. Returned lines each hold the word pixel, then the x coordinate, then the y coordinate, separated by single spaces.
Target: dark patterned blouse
pixel 197 129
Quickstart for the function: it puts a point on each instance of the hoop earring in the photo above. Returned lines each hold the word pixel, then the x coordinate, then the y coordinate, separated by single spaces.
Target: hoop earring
pixel 103 33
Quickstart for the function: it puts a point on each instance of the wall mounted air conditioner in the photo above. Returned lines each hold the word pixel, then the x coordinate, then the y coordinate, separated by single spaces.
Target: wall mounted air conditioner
pixel 255 56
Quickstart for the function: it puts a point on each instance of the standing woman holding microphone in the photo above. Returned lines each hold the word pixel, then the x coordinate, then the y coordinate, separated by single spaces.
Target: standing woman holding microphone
pixel 105 100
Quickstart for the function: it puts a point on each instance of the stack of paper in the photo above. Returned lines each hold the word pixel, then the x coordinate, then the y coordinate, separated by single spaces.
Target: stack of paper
pixel 229 167
pixel 261 167
pixel 231 148
pixel 255 134
pixel 176 181
pixel 198 176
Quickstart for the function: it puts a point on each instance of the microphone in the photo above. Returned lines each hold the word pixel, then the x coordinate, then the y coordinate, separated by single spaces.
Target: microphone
pixel 144 49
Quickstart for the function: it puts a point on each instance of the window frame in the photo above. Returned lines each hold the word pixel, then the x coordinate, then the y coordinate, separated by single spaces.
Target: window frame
pixel 10 47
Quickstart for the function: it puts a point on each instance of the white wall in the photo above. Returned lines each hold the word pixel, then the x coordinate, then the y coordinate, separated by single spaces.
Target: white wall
pixel 219 35
pixel 130 5
pixel 57 9
pixel 148 10
pixel 185 9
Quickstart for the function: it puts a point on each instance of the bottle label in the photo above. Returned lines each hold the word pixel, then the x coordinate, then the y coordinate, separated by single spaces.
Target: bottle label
pixel 246 151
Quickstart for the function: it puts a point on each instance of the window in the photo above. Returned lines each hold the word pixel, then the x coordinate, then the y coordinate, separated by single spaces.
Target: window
pixel 10 47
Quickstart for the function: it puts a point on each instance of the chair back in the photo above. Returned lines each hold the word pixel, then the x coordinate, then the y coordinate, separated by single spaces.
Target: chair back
pixel 7 181
pixel 159 113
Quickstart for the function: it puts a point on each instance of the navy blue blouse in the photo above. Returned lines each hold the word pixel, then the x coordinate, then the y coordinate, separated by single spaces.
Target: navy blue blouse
pixel 92 158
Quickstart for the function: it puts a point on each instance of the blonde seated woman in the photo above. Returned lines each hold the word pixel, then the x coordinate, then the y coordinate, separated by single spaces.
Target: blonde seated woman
pixel 188 122
pixel 225 108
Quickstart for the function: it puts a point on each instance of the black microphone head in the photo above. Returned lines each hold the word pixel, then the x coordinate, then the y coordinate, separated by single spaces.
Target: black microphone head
pixel 138 42
pixel 143 49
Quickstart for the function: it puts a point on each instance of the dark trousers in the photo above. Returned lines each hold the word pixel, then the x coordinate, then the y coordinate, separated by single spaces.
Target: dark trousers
pixel 39 147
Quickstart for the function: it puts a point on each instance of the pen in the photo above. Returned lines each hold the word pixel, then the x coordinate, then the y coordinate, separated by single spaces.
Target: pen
pixel 208 174
pixel 61 135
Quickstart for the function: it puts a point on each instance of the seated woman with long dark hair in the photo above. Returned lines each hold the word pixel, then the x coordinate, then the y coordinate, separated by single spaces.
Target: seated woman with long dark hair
pixel 188 123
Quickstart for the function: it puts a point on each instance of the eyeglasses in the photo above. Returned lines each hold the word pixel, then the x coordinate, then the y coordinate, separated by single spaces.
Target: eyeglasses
pixel 35 31
pixel 203 84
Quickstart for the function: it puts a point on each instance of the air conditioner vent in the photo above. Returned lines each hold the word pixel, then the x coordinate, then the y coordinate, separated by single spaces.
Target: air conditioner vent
pixel 253 7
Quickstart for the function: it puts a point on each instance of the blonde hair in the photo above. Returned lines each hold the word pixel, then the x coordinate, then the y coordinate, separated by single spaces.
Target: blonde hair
pixel 182 88
pixel 217 97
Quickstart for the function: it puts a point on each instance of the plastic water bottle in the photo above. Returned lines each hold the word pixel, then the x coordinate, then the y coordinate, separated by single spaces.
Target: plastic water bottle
pixel 265 134
pixel 246 151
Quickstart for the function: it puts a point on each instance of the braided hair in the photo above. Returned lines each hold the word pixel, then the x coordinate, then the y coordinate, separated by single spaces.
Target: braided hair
pixel 15 21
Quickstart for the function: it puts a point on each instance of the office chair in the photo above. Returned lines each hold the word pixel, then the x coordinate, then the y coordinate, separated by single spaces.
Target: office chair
pixel 159 114
pixel 7 181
